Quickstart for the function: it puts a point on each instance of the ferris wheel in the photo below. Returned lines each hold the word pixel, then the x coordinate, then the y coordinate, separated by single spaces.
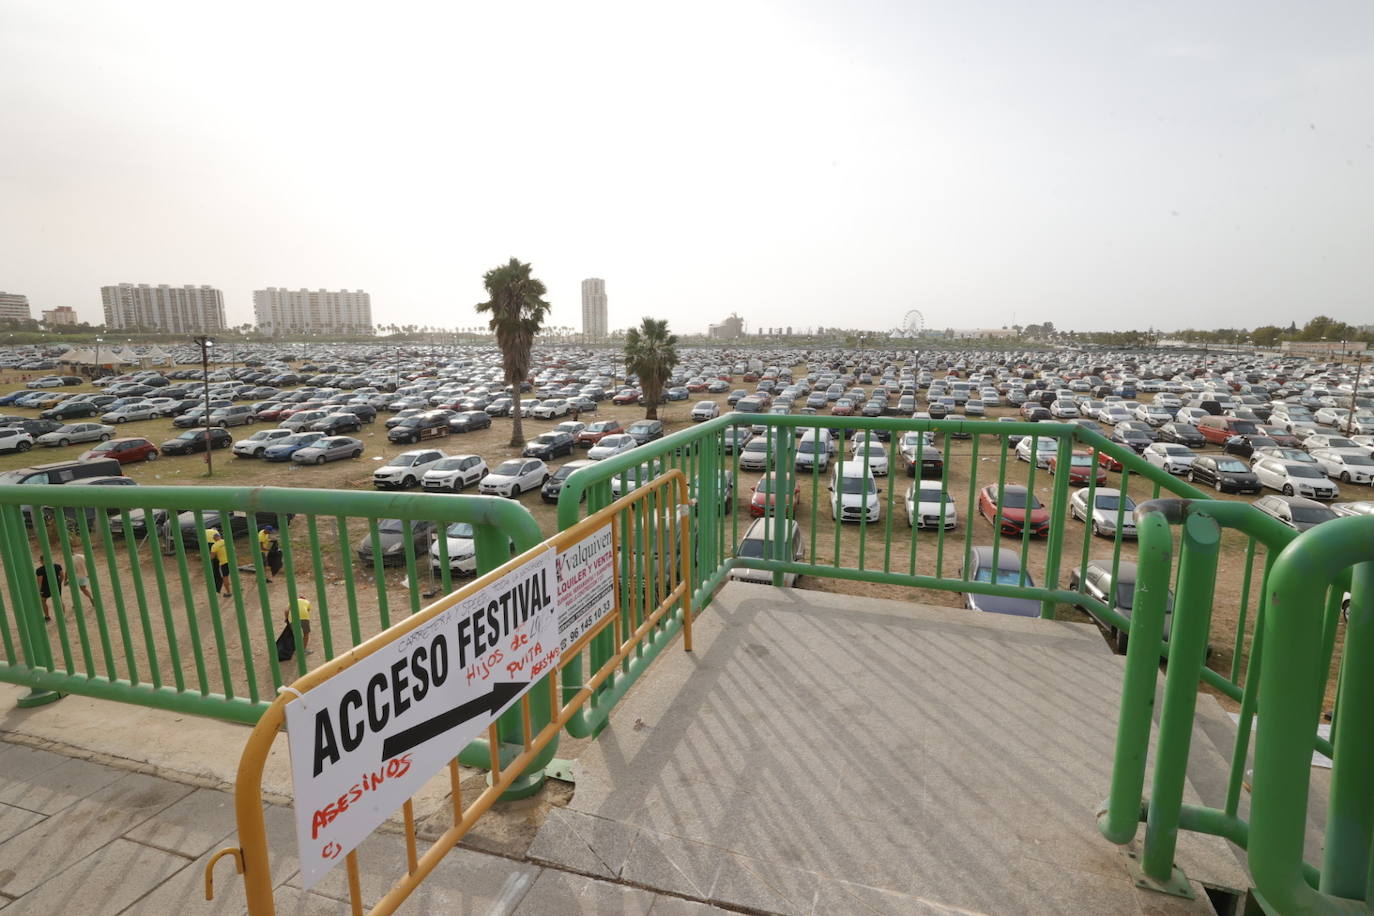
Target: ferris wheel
pixel 913 325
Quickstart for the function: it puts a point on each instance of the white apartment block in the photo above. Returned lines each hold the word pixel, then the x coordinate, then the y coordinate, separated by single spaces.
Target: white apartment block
pixel 305 311
pixel 594 309
pixel 174 309
pixel 63 314
pixel 14 305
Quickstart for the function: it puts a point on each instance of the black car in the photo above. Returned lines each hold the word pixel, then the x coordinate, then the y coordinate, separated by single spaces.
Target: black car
pixel 548 446
pixel 70 410
pixel 645 431
pixel 196 415
pixel 185 526
pixel 1137 436
pixel 429 425
pixel 391 540
pixel 337 423
pixel 469 421
pixel 498 408
pixel 1224 473
pixel 1182 434
pixel 553 487
pixel 193 441
pixel 364 412
pixel 34 427
pixel 1244 446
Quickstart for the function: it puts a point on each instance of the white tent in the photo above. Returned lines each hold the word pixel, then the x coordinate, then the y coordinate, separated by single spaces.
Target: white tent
pixel 78 356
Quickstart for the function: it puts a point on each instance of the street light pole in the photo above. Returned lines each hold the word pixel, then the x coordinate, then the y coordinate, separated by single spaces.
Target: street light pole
pixel 1354 393
pixel 205 344
pixel 98 342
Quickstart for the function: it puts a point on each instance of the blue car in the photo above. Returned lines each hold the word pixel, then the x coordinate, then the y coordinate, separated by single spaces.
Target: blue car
pixel 13 396
pixel 283 449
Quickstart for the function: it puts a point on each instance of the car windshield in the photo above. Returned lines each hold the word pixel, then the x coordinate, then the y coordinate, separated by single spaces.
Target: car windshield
pixel 546 439
pixel 857 485
pixel 1231 465
pixel 933 495
pixel 806 445
pixel 508 468
pixel 194 434
pixel 1081 461
pixel 1362 461
pixel 750 547
pixel 403 461
pixel 1004 576
pixel 1176 450
pixel 392 526
pixel 449 464
pixel 1303 470
pixel 1313 515
pixel 105 446
pixel 459 530
pixel 640 427
pixel 1016 499
pixel 1113 503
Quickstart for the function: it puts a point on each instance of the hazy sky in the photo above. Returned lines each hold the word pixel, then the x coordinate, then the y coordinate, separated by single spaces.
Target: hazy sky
pixel 1096 164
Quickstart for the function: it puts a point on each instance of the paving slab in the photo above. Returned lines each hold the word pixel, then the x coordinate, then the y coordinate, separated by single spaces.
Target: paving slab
pixel 560 893
pixel 820 747
pixel 47 783
pixel 113 877
pixel 37 854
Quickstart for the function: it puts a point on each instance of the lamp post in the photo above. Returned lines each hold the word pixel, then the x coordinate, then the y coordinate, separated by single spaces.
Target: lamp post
pixel 98 342
pixel 1354 393
pixel 206 344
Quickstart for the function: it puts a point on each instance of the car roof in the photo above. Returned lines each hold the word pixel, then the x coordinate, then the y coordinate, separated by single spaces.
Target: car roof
pixel 1007 558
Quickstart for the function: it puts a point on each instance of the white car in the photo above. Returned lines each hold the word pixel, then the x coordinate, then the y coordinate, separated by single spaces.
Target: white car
pixel 632 479
pixel 1322 440
pixel 256 444
pixel 1046 448
pixel 513 477
pixel 454 473
pixel 1346 465
pixel 47 381
pixel 405 470
pixel 1112 414
pixel 876 454
pixel 1331 416
pixel 854 495
pixel 553 407
pixel 1190 415
pixel 755 543
pixel 1176 459
pixel 13 439
pixel 813 452
pixel 1064 409
pixel 1292 478
pixel 461 547
pixel 77 432
pixel 1153 414
pixel 755 456
pixel 1107 505
pixel 928 506
pixel 610 446
pixel 705 410
pixel 1365 507
pixel 128 412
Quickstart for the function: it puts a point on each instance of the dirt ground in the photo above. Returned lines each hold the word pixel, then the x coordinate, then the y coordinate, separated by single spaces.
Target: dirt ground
pixel 242 629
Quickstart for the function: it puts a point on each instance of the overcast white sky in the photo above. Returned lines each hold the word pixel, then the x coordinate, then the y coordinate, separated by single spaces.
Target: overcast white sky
pixel 1096 164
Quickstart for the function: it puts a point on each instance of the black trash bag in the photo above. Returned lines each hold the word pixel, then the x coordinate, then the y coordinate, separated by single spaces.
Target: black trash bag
pixel 286 644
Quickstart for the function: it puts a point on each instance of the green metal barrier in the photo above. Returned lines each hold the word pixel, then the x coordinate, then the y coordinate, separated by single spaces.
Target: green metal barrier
pixel 155 631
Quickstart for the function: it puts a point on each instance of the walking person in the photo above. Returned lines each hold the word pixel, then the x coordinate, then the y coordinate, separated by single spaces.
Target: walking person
pixel 47 587
pixel 78 572
pixel 271 551
pixel 219 562
pixel 302 606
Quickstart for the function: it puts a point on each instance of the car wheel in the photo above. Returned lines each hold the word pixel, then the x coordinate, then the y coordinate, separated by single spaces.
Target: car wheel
pixel 357 453
pixel 1218 484
pixel 1345 477
pixel 512 492
pixel 104 437
pixel 1287 489
pixel 62 442
pixel 408 482
pixel 319 459
pixel 1097 530
pixel 151 456
pixel 1192 478
pixel 25 446
pixel 1120 639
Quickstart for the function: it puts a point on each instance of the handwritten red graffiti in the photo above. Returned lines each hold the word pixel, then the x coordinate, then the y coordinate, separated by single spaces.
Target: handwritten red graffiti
pixel 394 768
pixel 331 850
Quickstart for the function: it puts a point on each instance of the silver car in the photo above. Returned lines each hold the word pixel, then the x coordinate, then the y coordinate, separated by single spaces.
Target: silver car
pixel 330 448
pixel 77 432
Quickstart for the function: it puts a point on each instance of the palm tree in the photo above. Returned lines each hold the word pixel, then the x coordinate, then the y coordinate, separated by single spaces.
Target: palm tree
pixel 517 312
pixel 651 354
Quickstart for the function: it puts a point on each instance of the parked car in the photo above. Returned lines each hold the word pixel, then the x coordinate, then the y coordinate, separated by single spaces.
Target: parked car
pixel 196 440
pixel 460 543
pixel 553 487
pixel 756 455
pixel 1018 507
pixel 1045 449
pixel 705 410
pixel 513 477
pixel 283 448
pixel 432 424
pixel 391 540
pixel 610 446
pixel 233 526
pixel 234 415
pixel 469 421
pixel 1119 595
pixel 256 444
pixel 917 447
pixel 1348 466
pixel 645 431
pixel 854 495
pixel 1224 473
pixel 1363 507
pixel 329 448
pixel 1082 469
pixel 1295 478
pixel 1176 459
pixel 1108 505
pixel 126 450
pixel 757 543
pixel 14 439
pixel 1245 446
pixel 71 410
pixel 1182 434
pixel 454 473
pixel 1137 436
pixel 551 408
pixel 597 431
pixel 764 498
pixel 872 451
pixel 1007 572
pixel 406 469
pixel 1297 512
pixel 548 446
pixel 928 506
pixel 76 432
pixel 813 451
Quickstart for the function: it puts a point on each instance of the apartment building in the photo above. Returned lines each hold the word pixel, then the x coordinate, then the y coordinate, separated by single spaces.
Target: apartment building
pixel 304 311
pixel 173 309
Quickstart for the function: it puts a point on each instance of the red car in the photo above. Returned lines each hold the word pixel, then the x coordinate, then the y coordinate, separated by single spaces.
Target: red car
pixel 1081 469
pixel 626 396
pixel 1108 462
pixel 765 498
pixel 133 448
pixel 596 432
pixel 1014 509
pixel 843 408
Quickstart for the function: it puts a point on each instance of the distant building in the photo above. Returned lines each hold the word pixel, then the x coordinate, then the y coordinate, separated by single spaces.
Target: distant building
pixel 981 333
pixel 305 311
pixel 729 329
pixel 14 305
pixel 63 314
pixel 1327 348
pixel 175 309
pixel 594 309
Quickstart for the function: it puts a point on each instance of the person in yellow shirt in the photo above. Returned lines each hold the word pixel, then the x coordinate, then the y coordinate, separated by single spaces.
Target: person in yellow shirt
pixel 219 562
pixel 271 551
pixel 302 606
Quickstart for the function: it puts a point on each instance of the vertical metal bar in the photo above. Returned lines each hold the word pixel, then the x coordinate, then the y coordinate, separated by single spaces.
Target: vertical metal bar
pixel 117 591
pixel 163 595
pixel 412 574
pixel 412 860
pixel 1239 647
pixel 240 615
pixel 188 602
pixel 836 503
pixel 350 590
pixel 321 615
pixel 145 619
pixel 1249 699
pixel 1026 524
pixel 379 573
pixel 972 510
pixel 815 493
pixel 943 482
pixel 65 554
pixel 1058 503
pixel 863 508
pixel 887 528
pixel 355 891
pixel 216 622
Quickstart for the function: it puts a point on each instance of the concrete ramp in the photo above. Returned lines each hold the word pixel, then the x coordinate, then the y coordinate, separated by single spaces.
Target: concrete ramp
pixel 823 753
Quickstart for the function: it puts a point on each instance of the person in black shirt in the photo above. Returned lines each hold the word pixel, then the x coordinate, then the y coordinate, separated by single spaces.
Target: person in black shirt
pixel 48 587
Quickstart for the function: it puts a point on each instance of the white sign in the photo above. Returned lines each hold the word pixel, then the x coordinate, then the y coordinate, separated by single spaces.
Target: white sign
pixel 368 738
pixel 586 585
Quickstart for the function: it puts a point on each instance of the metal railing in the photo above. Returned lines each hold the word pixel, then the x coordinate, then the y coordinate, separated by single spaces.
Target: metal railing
pixel 653 590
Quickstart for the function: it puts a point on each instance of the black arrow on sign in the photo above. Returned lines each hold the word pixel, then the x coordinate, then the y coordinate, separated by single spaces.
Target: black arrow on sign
pixel 487 704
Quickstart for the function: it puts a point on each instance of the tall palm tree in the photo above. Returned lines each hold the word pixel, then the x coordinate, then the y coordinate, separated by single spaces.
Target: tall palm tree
pixel 518 311
pixel 651 354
